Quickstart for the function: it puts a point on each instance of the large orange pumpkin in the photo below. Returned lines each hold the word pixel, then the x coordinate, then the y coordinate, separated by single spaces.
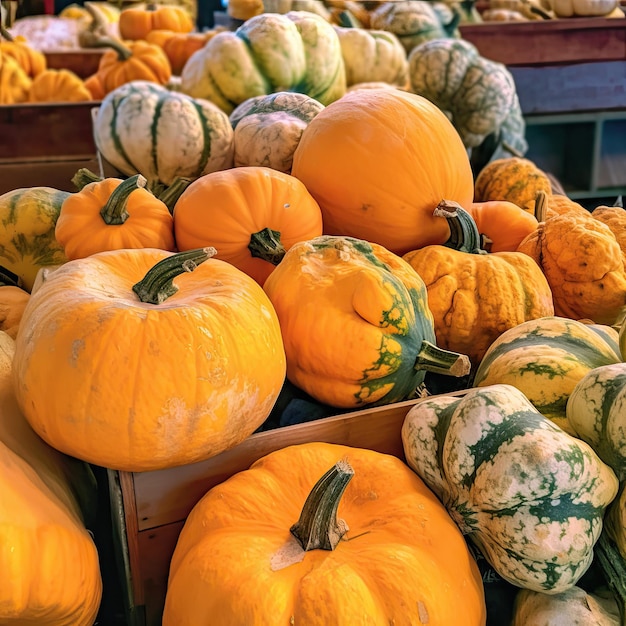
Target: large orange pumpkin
pixel 144 359
pixel 378 162
pixel 250 215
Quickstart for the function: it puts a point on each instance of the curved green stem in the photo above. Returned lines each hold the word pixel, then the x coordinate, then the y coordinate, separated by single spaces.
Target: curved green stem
pixel 83 177
pixel 464 235
pixel 541 204
pixel 318 526
pixel 432 358
pixel 266 245
pixel 157 285
pixel 114 212
pixel 169 196
pixel 90 39
pixel 5 33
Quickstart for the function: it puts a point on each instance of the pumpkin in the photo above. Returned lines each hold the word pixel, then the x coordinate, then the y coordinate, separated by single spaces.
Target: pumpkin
pixel 558 204
pixel 106 11
pixel 478 93
pixel 474 297
pixel 136 22
pixel 190 345
pixel 180 46
pixel 250 215
pixel 514 179
pixel 415 21
pixel 545 358
pixel 14 81
pixel 298 51
pixel 32 61
pixel 285 6
pixel 27 240
pixel 130 61
pixel 615 218
pixel 502 225
pixel 393 557
pixel 583 8
pixel 331 287
pixel 143 128
pixel 58 85
pixel 584 265
pixel 95 87
pixel 49 562
pixel 383 185
pixel 244 9
pixel 267 129
pixel 529 496
pixel 373 56
pixel 596 411
pixel 13 300
pixel 574 607
pixel 113 214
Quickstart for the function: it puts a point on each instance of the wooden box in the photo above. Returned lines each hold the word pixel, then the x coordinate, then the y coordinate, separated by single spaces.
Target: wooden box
pixel 150 508
pixel 83 63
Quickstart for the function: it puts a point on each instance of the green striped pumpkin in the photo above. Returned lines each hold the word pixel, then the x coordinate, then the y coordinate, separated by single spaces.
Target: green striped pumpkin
pixel 545 358
pixel 298 51
pixel 28 218
pixel 596 410
pixel 143 128
pixel 529 496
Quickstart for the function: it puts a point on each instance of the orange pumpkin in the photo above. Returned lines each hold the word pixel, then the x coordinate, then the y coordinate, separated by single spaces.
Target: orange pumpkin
pixel 378 161
pixel 136 22
pixel 32 61
pixel 113 214
pixel 250 215
pixel 94 85
pixel 58 85
pixel 170 358
pixel 14 81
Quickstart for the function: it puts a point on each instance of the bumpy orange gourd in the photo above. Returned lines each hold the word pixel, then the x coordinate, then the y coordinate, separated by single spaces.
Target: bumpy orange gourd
pixel 136 22
pixel 475 297
pixel 14 81
pixel 583 264
pixel 378 161
pixel 112 214
pixel 615 218
pixel 132 60
pixel 58 85
pixel 514 179
pixel 49 562
pixel 171 358
pixel 558 204
pixel 250 215
pixel 394 556
pixel 501 224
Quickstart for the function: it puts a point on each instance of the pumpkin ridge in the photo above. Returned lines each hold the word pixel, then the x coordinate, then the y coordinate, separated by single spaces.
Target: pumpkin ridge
pixel 117 142
pixel 206 150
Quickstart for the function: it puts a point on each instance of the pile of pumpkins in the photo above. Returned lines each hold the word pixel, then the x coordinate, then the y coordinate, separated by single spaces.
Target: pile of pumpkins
pixel 153 319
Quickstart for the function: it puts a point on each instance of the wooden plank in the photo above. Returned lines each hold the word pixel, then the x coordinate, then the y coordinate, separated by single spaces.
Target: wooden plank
pixel 549 42
pixel 167 496
pixel 84 63
pixel 132 532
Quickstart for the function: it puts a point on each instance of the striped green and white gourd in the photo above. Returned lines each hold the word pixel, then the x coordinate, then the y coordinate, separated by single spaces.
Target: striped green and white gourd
pixel 596 411
pixel 545 358
pixel 268 128
pixel 298 51
pixel 144 128
pixel 529 496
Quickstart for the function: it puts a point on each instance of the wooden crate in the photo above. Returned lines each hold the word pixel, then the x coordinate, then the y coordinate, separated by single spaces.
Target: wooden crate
pixel 150 508
pixel 84 63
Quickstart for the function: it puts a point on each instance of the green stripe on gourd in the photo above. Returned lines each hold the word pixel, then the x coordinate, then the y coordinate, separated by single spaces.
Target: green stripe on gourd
pixel 596 411
pixel 143 128
pixel 297 105
pixel 545 358
pixel 527 494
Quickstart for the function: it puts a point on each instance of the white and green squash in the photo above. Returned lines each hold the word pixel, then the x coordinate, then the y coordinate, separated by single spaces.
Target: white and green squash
pixel 545 358
pixel 529 496
pixel 298 51
pixel 477 93
pixel 267 129
pixel 372 56
pixel 596 411
pixel 143 128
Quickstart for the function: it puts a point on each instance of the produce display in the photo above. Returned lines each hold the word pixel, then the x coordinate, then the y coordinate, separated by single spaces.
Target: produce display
pixel 325 207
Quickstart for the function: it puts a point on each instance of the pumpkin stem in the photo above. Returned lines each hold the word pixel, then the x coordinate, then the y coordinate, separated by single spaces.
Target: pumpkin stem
pixel 83 177
pixel 266 245
pixel 318 526
pixel 5 33
pixel 114 211
pixel 541 205
pixel 169 196
pixel 157 285
pixel 464 235
pixel 91 39
pixel 432 358
pixel 614 569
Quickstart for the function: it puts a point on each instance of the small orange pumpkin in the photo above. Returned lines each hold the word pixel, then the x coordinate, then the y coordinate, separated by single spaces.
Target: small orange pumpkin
pixel 135 23
pixel 14 81
pixel 32 61
pixel 58 85
pixel 94 85
pixel 113 214
pixel 250 215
